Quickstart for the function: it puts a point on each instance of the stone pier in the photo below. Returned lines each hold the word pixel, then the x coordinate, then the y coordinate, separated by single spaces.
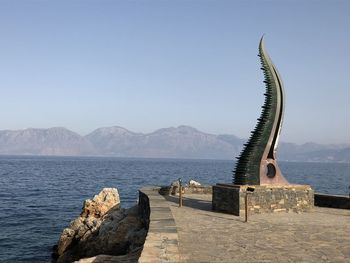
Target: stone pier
pixel 194 233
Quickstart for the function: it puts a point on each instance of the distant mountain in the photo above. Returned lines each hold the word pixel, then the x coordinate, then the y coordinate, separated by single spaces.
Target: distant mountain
pixel 53 141
pixel 179 142
pixel 331 154
pixel 115 141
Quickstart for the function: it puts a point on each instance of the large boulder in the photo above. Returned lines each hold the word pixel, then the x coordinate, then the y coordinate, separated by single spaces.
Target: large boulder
pixel 102 228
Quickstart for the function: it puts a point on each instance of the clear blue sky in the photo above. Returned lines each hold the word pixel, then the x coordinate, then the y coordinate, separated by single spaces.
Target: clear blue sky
pixel 145 65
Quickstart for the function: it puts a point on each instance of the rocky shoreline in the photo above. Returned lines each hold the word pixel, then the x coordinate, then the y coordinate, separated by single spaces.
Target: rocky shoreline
pixel 104 232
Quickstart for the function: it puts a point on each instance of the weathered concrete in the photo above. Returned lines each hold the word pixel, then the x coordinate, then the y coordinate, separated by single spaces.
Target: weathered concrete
pixel 230 198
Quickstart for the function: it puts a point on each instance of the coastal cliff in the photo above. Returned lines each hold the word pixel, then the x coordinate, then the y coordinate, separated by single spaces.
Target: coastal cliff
pixel 103 232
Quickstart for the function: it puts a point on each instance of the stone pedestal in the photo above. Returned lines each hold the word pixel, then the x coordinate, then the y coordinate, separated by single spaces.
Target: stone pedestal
pixel 230 198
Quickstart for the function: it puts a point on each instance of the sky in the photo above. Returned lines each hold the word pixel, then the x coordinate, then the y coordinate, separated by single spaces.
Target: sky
pixel 145 65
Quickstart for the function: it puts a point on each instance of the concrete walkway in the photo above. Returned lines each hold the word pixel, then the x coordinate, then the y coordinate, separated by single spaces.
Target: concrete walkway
pixel 322 235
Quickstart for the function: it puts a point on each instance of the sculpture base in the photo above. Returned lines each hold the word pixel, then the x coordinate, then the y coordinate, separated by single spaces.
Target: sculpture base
pixel 230 198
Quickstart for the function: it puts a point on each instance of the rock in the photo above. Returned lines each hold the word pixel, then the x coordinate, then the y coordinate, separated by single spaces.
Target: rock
pixel 65 241
pixel 193 183
pixel 130 258
pixel 101 203
pixel 174 186
pixel 165 190
pixel 54 253
pixel 175 183
pixel 102 228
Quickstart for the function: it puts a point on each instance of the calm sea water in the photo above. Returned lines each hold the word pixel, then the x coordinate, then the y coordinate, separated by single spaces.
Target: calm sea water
pixel 39 196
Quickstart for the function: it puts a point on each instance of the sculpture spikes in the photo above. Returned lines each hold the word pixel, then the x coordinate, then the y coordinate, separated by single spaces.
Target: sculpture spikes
pixel 257 162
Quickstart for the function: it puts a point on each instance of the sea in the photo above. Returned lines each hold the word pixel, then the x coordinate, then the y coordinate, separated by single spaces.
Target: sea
pixel 39 196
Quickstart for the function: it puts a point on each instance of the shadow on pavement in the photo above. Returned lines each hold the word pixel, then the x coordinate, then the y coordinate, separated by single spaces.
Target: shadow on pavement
pixel 203 205
pixel 191 202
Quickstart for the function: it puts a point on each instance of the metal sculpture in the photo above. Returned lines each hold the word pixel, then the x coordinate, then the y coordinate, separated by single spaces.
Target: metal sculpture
pixel 257 162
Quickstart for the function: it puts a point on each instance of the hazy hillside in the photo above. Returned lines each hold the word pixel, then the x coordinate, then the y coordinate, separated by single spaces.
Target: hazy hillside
pixel 324 155
pixel 115 141
pixel 179 142
pixel 53 141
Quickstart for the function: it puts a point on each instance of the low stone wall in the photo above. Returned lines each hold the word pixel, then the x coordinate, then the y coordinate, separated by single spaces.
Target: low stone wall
pixel 226 199
pixel 144 208
pixel 161 243
pixel 173 190
pixel 333 201
pixel 198 190
pixel 264 199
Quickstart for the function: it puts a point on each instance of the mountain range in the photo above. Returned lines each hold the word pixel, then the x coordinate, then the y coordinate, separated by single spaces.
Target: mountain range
pixel 180 142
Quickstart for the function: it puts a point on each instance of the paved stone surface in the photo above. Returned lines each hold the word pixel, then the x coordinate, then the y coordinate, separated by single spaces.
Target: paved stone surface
pixel 322 235
pixel 161 243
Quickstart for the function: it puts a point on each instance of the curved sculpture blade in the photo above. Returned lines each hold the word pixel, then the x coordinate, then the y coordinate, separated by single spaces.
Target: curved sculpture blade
pixel 257 162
